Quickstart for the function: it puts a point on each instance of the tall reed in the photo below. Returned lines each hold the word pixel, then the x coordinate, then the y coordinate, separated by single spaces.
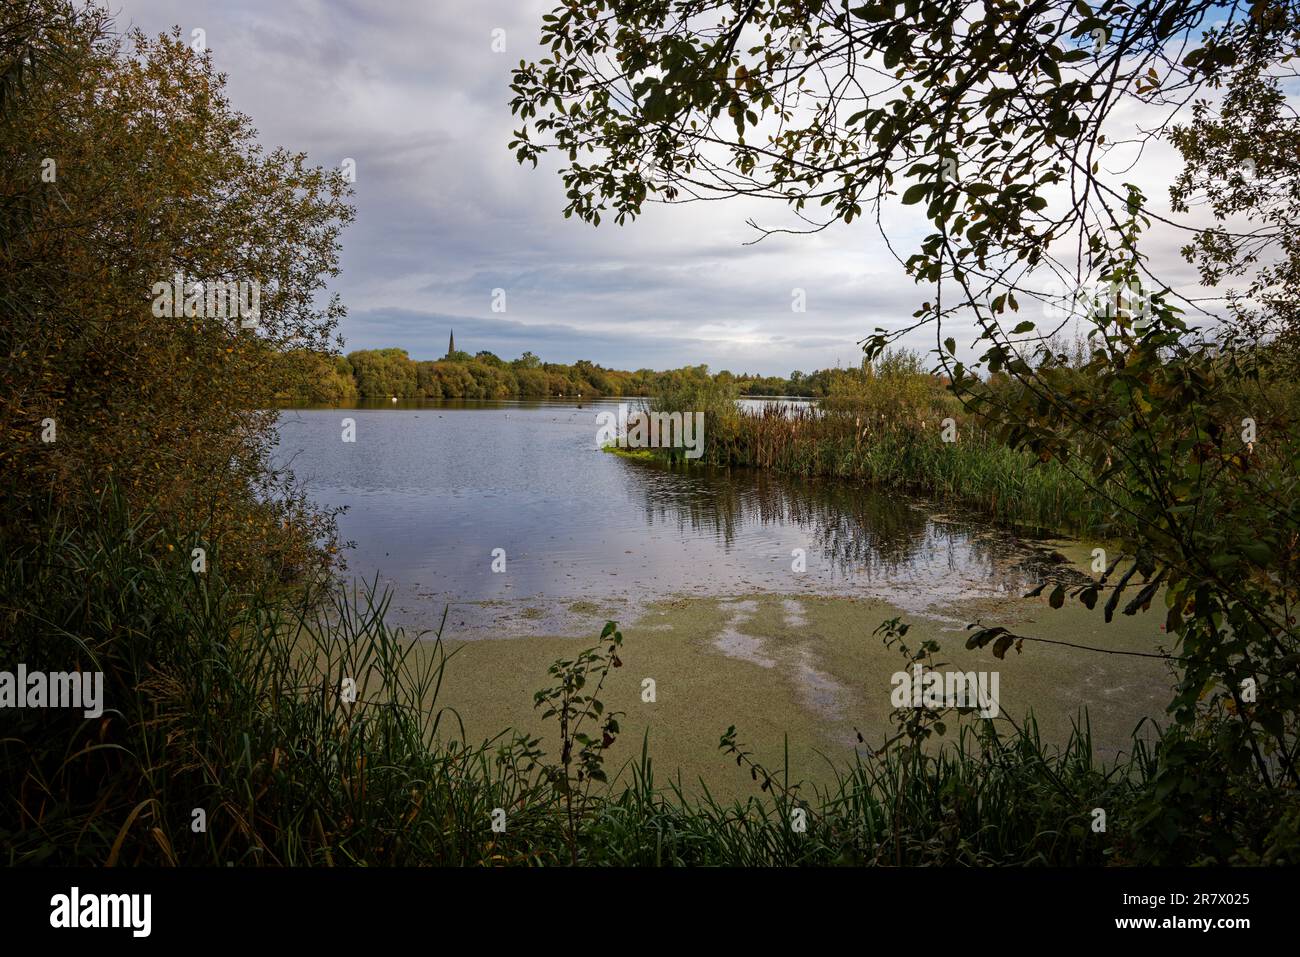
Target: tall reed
pixel 909 452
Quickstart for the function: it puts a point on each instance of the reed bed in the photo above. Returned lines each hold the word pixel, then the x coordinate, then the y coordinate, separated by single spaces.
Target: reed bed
pixel 908 452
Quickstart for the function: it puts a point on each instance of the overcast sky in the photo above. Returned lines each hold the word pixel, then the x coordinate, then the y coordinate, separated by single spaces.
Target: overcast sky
pixel 412 91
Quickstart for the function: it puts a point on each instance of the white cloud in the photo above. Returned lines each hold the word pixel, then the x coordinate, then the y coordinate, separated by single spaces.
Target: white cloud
pixel 413 93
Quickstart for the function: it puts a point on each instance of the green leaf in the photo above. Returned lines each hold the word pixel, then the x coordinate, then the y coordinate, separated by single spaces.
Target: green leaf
pixel 983 637
pixel 1119 588
pixel 915 194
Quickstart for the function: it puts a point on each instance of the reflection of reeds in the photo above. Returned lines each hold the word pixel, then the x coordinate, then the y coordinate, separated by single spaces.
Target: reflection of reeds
pixel 856 529
pixel 904 452
pixel 853 529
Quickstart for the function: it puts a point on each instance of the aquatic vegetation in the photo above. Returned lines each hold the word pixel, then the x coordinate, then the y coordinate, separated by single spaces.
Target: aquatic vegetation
pixel 911 454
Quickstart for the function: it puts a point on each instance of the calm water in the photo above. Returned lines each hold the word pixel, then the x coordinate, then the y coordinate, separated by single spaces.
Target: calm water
pixel 431 489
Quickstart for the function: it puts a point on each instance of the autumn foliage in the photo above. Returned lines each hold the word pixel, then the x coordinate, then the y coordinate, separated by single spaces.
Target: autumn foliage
pixel 126 167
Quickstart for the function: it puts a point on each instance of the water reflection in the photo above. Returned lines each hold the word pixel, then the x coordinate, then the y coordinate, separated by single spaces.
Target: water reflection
pixel 861 535
pixel 433 488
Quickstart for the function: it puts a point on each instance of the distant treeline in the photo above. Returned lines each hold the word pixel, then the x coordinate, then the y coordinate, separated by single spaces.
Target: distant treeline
pixel 381 373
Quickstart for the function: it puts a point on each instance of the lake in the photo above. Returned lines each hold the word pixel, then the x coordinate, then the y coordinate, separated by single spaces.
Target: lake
pixel 753 595
pixel 432 490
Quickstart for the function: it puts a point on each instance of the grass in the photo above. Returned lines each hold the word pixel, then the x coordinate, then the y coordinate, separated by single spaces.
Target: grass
pixel 635 455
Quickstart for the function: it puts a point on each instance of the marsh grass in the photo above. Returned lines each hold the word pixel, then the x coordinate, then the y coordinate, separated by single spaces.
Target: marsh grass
pixel 905 450
pixel 984 799
pixel 230 703
pixel 883 425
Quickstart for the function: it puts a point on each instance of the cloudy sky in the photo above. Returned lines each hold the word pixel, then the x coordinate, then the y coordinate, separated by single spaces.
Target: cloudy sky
pixel 413 92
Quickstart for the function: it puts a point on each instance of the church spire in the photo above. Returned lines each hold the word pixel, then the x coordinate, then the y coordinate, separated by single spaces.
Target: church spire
pixel 451 344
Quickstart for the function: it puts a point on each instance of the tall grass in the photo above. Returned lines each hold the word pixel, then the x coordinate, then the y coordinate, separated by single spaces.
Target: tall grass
pixel 884 425
pixel 985 799
pixel 229 703
pixel 843 440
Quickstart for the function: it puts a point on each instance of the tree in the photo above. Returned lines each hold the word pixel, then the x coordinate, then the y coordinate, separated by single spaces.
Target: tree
pixel 527 361
pixel 143 182
pixel 980 111
pixel 381 373
pixel 997 119
pixel 1242 157
pixel 316 378
pixel 428 384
